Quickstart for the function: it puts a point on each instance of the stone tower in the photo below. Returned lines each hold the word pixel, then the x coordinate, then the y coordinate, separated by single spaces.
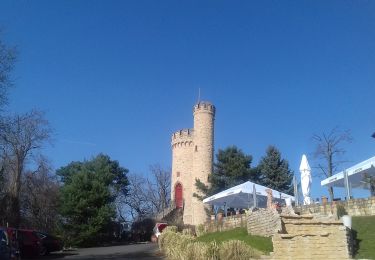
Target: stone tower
pixel 192 158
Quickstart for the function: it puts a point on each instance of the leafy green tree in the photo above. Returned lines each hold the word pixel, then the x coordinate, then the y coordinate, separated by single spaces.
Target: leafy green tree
pixel 275 171
pixel 232 167
pixel 87 198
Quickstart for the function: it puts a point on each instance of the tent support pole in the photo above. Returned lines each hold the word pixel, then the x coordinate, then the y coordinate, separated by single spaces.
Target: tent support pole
pixel 254 197
pixel 347 186
pixel 295 191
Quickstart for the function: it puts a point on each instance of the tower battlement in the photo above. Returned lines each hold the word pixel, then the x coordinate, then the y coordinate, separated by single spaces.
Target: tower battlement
pixel 204 106
pixel 183 137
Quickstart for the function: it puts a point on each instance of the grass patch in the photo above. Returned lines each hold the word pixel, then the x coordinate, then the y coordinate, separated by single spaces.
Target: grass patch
pixel 263 244
pixel 364 233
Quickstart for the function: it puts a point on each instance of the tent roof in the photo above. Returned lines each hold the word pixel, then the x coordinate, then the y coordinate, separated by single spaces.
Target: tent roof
pixel 356 175
pixel 241 196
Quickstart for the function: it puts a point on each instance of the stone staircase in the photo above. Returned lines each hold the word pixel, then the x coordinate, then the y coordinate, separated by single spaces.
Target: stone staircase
pixel 174 217
pixel 171 215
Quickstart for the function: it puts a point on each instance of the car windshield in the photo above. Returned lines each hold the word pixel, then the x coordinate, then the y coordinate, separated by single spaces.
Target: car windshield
pixel 40 235
pixel 3 237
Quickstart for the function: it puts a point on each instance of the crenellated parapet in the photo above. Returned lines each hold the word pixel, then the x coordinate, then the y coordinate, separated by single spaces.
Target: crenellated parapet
pixel 182 138
pixel 205 107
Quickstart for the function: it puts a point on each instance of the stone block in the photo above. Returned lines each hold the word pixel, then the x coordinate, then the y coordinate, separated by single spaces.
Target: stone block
pixel 311 239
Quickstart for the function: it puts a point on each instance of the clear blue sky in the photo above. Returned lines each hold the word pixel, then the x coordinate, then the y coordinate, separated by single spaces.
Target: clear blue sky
pixel 119 77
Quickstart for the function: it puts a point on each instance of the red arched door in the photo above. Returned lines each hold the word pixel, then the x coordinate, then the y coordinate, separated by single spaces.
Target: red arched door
pixel 178 195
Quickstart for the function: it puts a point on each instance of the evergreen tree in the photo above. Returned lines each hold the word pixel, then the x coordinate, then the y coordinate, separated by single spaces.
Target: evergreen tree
pixel 275 171
pixel 232 167
pixel 87 198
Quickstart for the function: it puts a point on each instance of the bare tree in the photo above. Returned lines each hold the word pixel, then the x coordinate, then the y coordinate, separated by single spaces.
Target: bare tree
pixel 137 201
pixel 159 187
pixel 3 197
pixel 7 59
pixel 329 151
pixel 20 137
pixel 370 182
pixel 39 197
pixel 147 196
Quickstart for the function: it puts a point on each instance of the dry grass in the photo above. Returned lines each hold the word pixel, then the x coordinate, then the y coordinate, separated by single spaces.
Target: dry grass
pixel 263 244
pixel 236 249
pixel 177 246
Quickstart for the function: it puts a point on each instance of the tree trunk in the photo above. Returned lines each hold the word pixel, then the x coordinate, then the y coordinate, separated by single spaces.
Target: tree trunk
pixel 331 195
pixel 372 187
pixel 330 173
pixel 14 211
pixel 14 196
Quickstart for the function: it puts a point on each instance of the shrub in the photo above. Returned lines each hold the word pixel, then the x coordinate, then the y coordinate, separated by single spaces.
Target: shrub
pixel 161 240
pixel 174 244
pixel 168 242
pixel 195 250
pixel 192 227
pixel 201 250
pixel 164 238
pixel 340 211
pixel 187 231
pixel 213 250
pixel 177 246
pixel 171 229
pixel 235 249
pixel 200 230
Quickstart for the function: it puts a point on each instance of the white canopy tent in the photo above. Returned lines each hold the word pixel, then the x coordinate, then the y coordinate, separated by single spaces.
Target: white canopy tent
pixel 242 196
pixel 354 177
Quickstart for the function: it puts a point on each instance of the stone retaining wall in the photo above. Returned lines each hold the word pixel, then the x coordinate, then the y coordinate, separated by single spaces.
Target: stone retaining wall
pixel 226 223
pixel 353 207
pixel 263 222
pixel 307 238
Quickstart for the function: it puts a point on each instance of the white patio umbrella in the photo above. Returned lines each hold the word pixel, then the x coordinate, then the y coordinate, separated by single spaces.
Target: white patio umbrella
pixel 305 170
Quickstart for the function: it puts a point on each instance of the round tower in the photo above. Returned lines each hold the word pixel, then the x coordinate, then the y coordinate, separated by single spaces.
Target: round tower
pixel 203 153
pixel 182 167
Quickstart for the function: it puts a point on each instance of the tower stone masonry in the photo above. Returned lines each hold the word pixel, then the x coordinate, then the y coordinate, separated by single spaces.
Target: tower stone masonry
pixel 192 158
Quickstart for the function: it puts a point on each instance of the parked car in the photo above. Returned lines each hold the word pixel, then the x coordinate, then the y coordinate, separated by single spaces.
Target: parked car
pixel 5 249
pixel 159 228
pixel 9 248
pixel 29 243
pixel 48 243
pixel 35 243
